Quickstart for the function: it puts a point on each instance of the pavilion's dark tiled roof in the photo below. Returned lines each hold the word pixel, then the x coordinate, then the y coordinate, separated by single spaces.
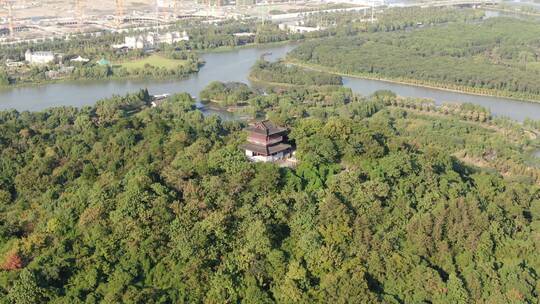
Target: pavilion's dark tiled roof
pixel 265 128
pixel 266 151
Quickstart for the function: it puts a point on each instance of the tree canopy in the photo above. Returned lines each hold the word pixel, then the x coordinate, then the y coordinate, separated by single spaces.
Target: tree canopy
pixel 498 56
pixel 123 203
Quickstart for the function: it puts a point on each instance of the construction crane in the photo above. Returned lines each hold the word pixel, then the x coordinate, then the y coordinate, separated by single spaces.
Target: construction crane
pixel 175 8
pixel 8 4
pixel 119 12
pixel 79 14
pixel 156 7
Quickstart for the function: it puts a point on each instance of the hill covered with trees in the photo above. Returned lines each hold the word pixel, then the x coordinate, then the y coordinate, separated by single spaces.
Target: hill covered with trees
pixel 498 56
pixel 123 203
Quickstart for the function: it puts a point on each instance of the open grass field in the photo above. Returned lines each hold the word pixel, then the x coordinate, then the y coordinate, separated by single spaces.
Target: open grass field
pixel 154 60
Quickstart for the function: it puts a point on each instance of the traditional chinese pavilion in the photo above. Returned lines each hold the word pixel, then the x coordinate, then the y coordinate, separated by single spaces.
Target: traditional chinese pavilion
pixel 265 142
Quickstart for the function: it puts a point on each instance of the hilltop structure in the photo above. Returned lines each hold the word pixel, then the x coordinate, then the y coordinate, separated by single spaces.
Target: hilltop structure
pixel 265 143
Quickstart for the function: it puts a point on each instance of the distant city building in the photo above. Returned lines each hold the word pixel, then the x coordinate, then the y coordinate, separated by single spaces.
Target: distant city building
pixel 265 143
pixel 151 40
pixel 299 28
pixel 173 37
pixel 39 57
pixel 165 3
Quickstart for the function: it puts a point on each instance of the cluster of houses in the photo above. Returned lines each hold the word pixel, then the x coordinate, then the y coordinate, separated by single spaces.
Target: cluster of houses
pixel 151 40
pixel 43 58
pixel 40 58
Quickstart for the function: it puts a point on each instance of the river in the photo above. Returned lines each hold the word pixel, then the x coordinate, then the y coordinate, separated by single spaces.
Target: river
pixel 232 65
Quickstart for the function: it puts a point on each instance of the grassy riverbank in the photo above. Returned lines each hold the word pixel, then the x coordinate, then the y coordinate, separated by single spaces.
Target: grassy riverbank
pixel 155 66
pixel 91 80
pixel 279 73
pixel 259 82
pixel 155 60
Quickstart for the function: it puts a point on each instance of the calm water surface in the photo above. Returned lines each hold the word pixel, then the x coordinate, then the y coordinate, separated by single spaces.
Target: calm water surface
pixel 231 66
pixel 514 109
pixel 227 66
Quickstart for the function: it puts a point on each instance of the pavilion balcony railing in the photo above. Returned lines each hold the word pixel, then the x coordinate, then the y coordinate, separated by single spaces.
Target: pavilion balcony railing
pixel 267 143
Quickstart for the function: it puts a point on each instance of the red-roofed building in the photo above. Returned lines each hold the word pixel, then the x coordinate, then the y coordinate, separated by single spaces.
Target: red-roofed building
pixel 265 142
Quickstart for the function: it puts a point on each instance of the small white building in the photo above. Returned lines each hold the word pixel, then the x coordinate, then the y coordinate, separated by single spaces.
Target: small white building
pixel 135 42
pixel 173 37
pixel 300 29
pixel 80 59
pixel 39 58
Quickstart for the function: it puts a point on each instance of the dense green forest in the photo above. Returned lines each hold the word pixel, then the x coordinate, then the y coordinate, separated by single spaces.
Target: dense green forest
pixel 498 56
pixel 123 203
pixel 279 73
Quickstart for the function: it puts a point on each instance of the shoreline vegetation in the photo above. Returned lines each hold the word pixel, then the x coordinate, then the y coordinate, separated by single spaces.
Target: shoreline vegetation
pixel 494 58
pixel 155 66
pixel 280 73
pixel 238 96
pixel 225 49
pixel 412 82
pixel 300 76
pixel 253 77
pixel 84 80
pixel 209 38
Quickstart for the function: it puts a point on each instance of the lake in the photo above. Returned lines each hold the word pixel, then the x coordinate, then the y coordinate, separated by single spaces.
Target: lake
pixel 233 65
